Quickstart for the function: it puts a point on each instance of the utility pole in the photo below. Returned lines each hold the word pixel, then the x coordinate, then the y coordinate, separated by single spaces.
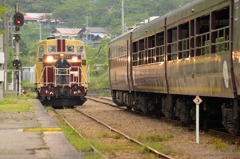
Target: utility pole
pixel 5 46
pixel 1 66
pixel 11 33
pixel 2 60
pixel 40 30
pixel 87 29
pixel 122 16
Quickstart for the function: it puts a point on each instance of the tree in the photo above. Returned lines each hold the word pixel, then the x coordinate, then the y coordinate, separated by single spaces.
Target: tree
pixel 72 12
pixel 2 10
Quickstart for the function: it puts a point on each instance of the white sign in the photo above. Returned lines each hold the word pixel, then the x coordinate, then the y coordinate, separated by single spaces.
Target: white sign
pixel 197 100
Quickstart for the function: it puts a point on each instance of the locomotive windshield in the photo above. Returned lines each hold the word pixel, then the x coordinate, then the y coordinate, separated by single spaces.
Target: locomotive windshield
pixel 52 48
pixel 80 49
pixel 40 52
pixel 70 48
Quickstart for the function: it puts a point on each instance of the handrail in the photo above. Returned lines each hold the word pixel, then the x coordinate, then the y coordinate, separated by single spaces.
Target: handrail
pixel 72 78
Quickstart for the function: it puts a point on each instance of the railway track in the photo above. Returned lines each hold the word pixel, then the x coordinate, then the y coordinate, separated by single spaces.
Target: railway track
pixel 92 147
pixel 222 134
pixel 159 154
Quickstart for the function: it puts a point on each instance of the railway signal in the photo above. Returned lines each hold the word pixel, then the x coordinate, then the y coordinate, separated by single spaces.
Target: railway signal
pixel 17 63
pixel 17 37
pixel 18 19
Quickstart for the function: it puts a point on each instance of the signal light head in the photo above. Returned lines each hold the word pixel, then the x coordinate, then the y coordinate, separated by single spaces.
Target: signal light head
pixel 18 19
pixel 17 63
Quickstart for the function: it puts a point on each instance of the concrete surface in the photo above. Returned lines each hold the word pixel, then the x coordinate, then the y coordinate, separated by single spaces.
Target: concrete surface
pixel 16 143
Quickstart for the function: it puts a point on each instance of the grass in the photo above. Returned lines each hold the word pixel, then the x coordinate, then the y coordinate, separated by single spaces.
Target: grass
pixel 73 137
pixel 218 144
pixel 129 146
pixel 114 147
pixel 13 104
pixel 155 138
pixel 31 95
pixel 159 147
pixel 154 142
pixel 48 107
pixel 27 83
pixel 77 142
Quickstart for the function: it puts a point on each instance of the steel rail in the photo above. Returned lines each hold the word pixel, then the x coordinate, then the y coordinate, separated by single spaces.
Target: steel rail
pixel 93 148
pixel 129 138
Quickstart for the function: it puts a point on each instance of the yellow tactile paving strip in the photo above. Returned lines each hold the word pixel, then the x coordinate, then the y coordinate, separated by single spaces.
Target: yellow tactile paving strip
pixel 40 130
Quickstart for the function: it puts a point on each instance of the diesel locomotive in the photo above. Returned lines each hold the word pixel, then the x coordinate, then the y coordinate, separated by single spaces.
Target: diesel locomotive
pixel 194 50
pixel 50 91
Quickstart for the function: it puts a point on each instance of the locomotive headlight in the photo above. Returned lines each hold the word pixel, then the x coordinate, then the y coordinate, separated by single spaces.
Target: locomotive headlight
pixel 49 58
pixel 74 58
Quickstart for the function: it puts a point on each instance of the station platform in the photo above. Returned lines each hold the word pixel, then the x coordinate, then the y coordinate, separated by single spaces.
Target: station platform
pixel 33 135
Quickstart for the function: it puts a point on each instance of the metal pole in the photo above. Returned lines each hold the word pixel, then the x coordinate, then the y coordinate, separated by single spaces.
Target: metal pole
pixel 87 29
pixel 17 57
pixel 11 33
pixel 40 30
pixel 13 81
pixel 122 16
pixel 5 45
pixel 17 50
pixel 197 101
pixel 16 84
pixel 1 67
pixel 197 124
pixel 17 70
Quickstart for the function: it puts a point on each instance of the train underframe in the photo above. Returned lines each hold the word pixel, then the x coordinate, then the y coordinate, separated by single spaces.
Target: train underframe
pixel 62 95
pixel 214 112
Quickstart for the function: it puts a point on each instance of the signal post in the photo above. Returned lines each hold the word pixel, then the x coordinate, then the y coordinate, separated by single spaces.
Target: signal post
pixel 18 21
pixel 2 60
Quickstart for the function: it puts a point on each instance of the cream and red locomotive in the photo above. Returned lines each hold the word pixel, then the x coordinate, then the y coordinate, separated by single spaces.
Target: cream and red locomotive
pixel 49 89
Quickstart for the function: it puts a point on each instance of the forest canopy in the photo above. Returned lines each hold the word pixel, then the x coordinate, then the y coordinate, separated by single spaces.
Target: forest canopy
pixel 101 13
